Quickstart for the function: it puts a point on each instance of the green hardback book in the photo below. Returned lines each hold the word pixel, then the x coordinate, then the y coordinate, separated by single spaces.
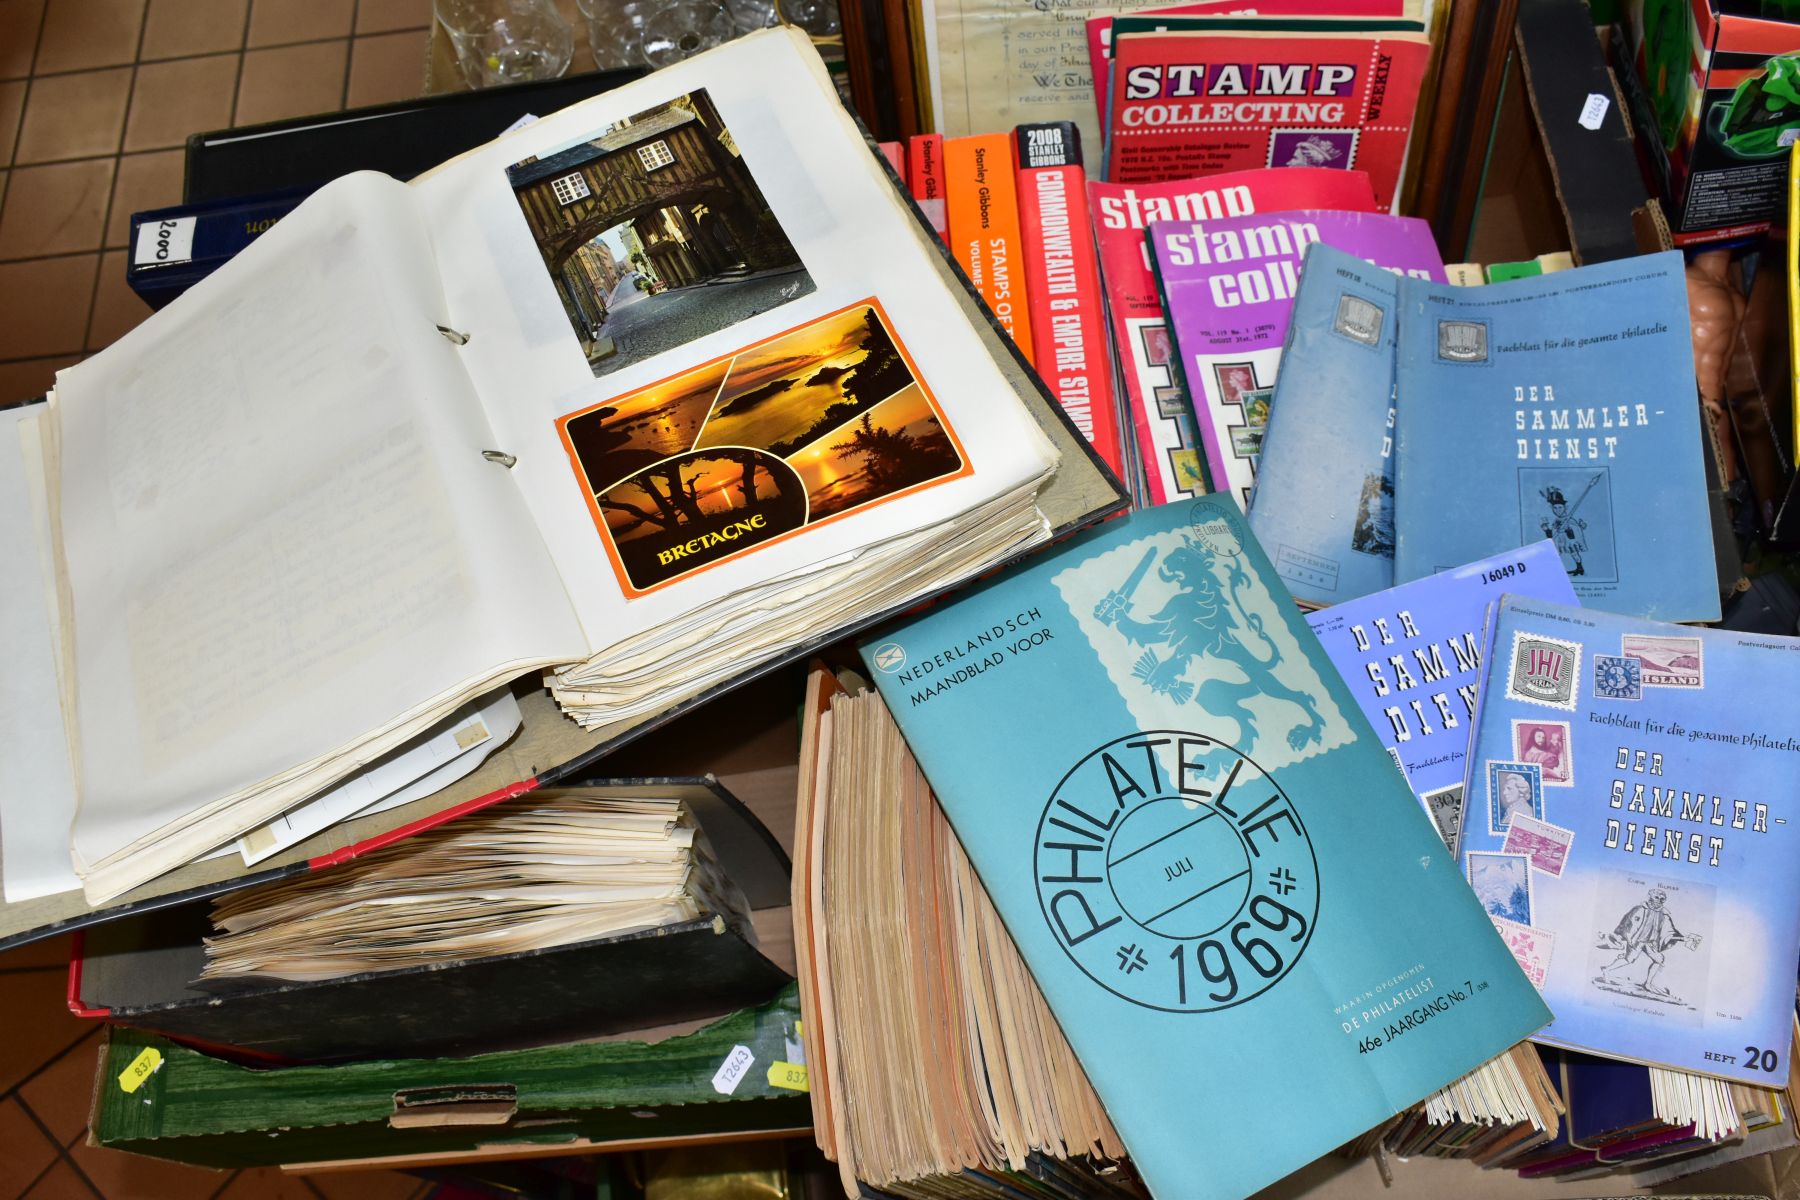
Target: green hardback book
pixel 736 1075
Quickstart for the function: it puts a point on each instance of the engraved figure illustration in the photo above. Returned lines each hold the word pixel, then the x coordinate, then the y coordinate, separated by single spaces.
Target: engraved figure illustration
pixel 1205 619
pixel 1572 506
pixel 1513 789
pixel 1563 527
pixel 1646 933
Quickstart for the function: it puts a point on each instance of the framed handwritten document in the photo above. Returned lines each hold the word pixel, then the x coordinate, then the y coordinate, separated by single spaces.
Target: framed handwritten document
pixel 994 64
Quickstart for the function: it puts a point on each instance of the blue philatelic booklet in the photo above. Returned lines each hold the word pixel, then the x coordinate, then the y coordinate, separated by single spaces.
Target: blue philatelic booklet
pixel 1227 894
pixel 1634 807
pixel 1559 406
pixel 1324 501
pixel 1412 658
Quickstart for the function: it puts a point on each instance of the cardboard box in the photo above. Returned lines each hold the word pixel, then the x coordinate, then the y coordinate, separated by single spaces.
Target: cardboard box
pixel 1715 92
pixel 1562 172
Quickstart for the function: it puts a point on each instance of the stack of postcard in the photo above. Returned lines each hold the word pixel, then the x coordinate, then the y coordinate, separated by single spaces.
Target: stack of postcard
pixel 542 871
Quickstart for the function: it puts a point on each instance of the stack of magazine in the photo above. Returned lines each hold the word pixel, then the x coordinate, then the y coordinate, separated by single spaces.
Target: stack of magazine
pixel 935 1063
pixel 1416 426
pixel 1174 804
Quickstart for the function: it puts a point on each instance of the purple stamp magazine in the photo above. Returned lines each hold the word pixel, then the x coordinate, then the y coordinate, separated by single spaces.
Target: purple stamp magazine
pixel 1228 287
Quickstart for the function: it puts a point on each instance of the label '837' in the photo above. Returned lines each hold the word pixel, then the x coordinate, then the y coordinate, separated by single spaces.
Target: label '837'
pixel 1175 872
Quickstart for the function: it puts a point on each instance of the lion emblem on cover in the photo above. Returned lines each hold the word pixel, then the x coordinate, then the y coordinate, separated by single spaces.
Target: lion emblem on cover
pixel 1189 636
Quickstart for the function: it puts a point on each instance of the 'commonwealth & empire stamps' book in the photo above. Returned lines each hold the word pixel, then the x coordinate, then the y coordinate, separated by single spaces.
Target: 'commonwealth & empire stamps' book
pixel 1631 802
pixel 1227 894
pixel 1071 349
pixel 1561 406
pixel 1228 289
pixel 1412 658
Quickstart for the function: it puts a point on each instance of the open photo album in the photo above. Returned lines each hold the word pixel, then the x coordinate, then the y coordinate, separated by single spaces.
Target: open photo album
pixel 641 396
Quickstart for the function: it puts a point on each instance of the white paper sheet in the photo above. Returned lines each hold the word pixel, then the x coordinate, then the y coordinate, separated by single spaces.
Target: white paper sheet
pixel 37 780
pixel 280 532
pixel 454 749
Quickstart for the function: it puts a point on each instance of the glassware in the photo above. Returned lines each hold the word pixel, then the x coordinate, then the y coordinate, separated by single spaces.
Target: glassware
pixel 635 33
pixel 506 41
pixel 615 30
pixel 818 17
pixel 751 15
pixel 677 30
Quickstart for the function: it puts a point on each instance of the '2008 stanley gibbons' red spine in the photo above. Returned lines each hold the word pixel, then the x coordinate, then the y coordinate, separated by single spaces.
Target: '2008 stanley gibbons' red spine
pixel 1156 403
pixel 925 179
pixel 1188 104
pixel 1062 283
